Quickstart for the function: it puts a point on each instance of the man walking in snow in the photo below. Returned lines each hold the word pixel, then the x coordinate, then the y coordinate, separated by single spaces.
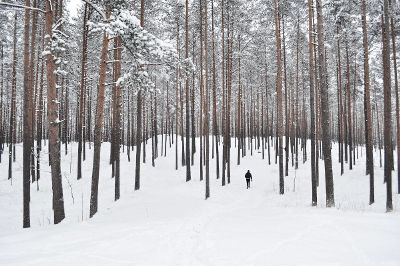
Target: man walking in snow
pixel 248 178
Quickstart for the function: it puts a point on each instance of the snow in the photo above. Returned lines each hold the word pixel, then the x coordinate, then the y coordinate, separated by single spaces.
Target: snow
pixel 46 52
pixel 168 222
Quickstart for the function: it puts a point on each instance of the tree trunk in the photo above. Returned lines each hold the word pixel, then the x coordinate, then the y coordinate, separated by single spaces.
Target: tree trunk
pixel 53 120
pixel 117 115
pixel 207 109
pixel 214 91
pixel 27 122
pixel 99 119
pixel 387 107
pixel 326 138
pixel 367 106
pixel 396 88
pixel 349 116
pixel 12 128
pixel 187 110
pixel 279 96
pixel 32 87
pixel 139 116
pixel 81 115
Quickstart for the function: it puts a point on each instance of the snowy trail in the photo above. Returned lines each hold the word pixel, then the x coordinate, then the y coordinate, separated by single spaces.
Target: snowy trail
pixel 168 222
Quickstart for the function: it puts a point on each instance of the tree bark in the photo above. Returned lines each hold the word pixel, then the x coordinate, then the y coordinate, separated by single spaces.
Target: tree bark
pixel 53 120
pixel 99 119
pixel 387 106
pixel 27 122
pixel 279 97
pixel 187 110
pixel 326 138
pixel 82 98
pixel 367 106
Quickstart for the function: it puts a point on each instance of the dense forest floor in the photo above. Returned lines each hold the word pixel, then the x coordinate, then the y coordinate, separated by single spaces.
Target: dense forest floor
pixel 168 222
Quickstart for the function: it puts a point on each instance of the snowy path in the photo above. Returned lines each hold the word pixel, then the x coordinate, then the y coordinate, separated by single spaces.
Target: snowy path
pixel 168 222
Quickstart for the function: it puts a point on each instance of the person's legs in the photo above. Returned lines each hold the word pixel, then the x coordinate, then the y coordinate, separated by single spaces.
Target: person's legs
pixel 248 183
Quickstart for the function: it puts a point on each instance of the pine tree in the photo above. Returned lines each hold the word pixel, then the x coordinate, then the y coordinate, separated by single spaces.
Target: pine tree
pixel 326 138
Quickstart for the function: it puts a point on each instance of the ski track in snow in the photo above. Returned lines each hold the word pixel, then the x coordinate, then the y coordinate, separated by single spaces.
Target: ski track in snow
pixel 168 222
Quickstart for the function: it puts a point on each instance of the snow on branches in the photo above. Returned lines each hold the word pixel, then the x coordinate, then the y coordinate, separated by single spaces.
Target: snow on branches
pixel 143 48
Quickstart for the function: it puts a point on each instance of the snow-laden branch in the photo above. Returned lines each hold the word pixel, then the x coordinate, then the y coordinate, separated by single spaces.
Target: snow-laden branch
pixel 98 9
pixel 22 6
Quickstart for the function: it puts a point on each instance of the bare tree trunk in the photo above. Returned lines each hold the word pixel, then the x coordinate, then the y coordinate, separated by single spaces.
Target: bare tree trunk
pixel 1 102
pixel 128 133
pixel 53 120
pixel 223 92
pixel 27 122
pixel 40 112
pixel 201 121
pixel 312 109
pixel 139 116
pixel 239 109
pixel 188 174
pixel 279 96
pixel 117 115
pixel 229 92
pixel 193 120
pixel 98 129
pixel 138 138
pixel 349 122
pixel 81 115
pixel 32 87
pixel 215 121
pixel 12 128
pixel 387 106
pixel 286 100
pixel 297 127
pixel 340 111
pixel 367 106
pixel 326 138
pixel 396 88
pixel 207 109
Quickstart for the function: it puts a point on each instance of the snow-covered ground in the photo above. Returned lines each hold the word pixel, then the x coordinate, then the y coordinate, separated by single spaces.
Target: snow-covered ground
pixel 168 222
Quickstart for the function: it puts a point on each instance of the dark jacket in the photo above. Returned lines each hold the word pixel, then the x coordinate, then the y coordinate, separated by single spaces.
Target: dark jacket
pixel 248 176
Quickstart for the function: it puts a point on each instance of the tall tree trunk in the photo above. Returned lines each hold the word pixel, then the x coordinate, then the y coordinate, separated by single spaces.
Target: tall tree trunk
pixel 279 96
pixel 396 88
pixel 192 105
pixel 312 109
pixel 1 102
pixel 286 100
pixel 387 106
pixel 340 111
pixel 139 116
pixel 53 120
pixel 99 119
pixel 367 106
pixel 81 115
pixel 214 91
pixel 349 116
pixel 138 138
pixel 223 91
pixel 201 121
pixel 39 125
pixel 32 86
pixel 187 110
pixel 207 101
pixel 117 115
pixel 27 122
pixel 12 116
pixel 326 138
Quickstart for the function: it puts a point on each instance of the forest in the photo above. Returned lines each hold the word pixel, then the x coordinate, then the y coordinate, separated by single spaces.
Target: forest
pixel 206 88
